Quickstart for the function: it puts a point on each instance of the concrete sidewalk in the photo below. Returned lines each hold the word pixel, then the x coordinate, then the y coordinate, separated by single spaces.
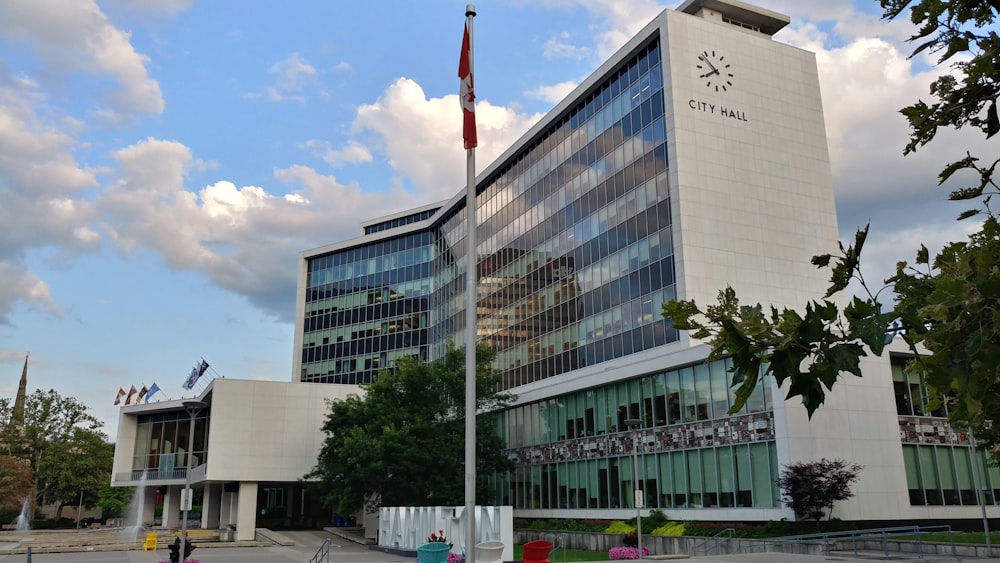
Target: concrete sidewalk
pixel 344 550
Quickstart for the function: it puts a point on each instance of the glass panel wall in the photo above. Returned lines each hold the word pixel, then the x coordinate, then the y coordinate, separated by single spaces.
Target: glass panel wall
pixel 943 475
pixel 366 307
pixel 574 255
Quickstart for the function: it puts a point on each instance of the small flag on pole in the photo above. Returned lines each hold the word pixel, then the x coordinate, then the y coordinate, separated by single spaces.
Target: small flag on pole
pixel 118 399
pixel 128 398
pixel 152 391
pixel 196 372
pixel 467 94
pixel 141 395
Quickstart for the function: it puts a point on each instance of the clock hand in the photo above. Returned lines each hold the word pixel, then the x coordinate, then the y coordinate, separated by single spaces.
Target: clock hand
pixel 709 63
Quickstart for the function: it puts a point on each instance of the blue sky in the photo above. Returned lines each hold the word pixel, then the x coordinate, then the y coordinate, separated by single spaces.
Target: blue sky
pixel 162 162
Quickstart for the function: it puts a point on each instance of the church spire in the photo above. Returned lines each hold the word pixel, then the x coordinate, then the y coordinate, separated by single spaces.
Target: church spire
pixel 17 416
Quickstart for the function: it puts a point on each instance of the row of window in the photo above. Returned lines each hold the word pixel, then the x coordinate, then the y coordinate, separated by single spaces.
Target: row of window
pixel 944 475
pixel 912 398
pixel 400 221
pixel 369 258
pixel 373 296
pixel 641 338
pixel 162 444
pixel 618 320
pixel 689 394
pixel 632 85
pixel 728 476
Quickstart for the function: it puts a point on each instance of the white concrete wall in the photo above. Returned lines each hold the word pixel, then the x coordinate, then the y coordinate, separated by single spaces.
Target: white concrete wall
pixel 267 430
pixel 124 445
pixel 749 168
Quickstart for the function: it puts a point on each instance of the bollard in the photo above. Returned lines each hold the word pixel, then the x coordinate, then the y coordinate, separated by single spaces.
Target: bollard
pixel 29 554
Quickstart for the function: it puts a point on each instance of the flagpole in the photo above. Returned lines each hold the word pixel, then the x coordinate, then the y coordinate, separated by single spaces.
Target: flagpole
pixel 471 275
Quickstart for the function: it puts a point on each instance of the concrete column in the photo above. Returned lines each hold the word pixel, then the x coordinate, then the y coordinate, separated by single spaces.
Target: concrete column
pixel 210 507
pixel 148 506
pixel 172 507
pixel 226 510
pixel 246 511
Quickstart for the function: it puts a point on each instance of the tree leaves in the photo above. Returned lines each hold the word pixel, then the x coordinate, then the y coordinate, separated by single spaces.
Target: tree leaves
pixel 411 423
pixel 811 489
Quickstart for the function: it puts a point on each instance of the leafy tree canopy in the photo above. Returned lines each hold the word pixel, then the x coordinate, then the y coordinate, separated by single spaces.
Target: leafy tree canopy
pixel 15 483
pixel 48 418
pixel 403 443
pixel 62 445
pixel 78 464
pixel 947 306
pixel 114 501
pixel 811 488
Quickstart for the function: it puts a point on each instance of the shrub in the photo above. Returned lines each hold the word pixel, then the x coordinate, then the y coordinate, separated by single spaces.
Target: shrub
pixel 619 527
pixel 655 519
pixel 559 524
pixel 670 529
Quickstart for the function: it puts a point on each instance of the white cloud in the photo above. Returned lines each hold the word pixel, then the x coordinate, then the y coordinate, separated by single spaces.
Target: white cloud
pixel 554 93
pixel 40 190
pixel 612 23
pixel 422 136
pixel 353 153
pixel 78 36
pixel 292 73
pixel 158 7
pixel 245 239
pixel 21 286
pixel 560 47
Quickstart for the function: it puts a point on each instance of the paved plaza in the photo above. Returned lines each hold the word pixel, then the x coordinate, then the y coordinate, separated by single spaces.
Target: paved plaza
pixel 345 551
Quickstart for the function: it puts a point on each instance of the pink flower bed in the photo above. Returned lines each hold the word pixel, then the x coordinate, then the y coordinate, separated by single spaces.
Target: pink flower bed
pixel 627 552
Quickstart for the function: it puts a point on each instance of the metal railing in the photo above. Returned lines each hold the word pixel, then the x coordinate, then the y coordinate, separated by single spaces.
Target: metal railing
pixel 559 541
pixel 848 541
pixel 152 474
pixel 323 553
pixel 706 545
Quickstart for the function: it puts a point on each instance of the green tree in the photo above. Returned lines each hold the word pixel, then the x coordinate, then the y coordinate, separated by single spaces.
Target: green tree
pixel 63 446
pixel 16 483
pixel 49 418
pixel 114 501
pixel 402 444
pixel 74 465
pixel 811 488
pixel 947 307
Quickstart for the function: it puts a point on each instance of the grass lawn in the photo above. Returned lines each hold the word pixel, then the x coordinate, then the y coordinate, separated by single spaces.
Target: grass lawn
pixel 571 555
pixel 957 537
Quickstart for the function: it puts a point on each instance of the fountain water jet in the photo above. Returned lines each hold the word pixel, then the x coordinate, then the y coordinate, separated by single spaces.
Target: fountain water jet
pixel 133 519
pixel 21 522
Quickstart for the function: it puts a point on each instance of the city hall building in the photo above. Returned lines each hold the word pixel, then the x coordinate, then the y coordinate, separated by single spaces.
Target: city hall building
pixel 694 159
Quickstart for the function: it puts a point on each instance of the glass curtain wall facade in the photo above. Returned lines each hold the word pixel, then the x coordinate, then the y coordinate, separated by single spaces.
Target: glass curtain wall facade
pixel 938 458
pixel 365 307
pixel 161 443
pixel 574 451
pixel 575 254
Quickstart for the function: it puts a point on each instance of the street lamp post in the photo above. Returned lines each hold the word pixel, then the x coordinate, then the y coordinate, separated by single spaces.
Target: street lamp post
pixel 634 424
pixel 192 408
pixel 980 491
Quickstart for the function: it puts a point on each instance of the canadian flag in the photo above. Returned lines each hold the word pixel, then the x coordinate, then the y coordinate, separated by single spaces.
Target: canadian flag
pixel 467 95
pixel 132 391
